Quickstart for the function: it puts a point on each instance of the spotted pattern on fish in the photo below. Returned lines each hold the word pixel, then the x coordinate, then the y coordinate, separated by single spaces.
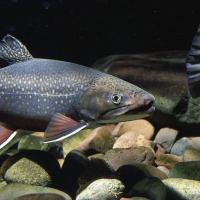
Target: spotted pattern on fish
pixel 35 92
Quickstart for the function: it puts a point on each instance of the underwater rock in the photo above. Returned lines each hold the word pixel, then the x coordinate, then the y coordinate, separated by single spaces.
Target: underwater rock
pixel 150 187
pixel 135 198
pixel 100 189
pixel 139 127
pixel 186 170
pixel 31 167
pixel 130 139
pixel 2 182
pixel 119 157
pixel 61 162
pixel 96 169
pixel 27 172
pixel 74 165
pixel 18 191
pixel 165 139
pixel 3 158
pixel 182 189
pixel 41 197
pixel 131 174
pixel 100 139
pixel 191 154
pixel 180 146
pixel 196 142
pixel 15 140
pixel 31 142
pixel 164 169
pixel 96 155
pixel 167 160
pixel 71 143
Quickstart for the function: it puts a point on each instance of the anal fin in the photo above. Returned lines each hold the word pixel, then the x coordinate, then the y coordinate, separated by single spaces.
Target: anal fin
pixel 61 127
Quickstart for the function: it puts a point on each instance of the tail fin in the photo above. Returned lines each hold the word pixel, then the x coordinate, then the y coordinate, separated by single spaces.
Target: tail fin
pixel 193 66
pixel 12 50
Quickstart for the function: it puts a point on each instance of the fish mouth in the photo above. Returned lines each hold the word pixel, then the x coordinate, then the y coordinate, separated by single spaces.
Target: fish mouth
pixel 127 109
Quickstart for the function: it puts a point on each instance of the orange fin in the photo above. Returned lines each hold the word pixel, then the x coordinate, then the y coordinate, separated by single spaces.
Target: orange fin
pixel 61 127
pixel 6 135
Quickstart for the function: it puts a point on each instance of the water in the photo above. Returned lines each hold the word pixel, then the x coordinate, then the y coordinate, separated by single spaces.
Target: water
pixel 142 42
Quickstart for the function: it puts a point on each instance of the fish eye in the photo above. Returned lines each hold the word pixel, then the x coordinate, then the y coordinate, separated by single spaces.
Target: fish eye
pixel 116 98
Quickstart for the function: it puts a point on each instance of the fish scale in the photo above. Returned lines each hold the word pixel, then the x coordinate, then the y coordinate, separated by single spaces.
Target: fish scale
pixel 43 85
pixel 61 96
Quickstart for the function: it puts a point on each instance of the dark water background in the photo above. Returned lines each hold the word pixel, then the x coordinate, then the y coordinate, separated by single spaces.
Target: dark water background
pixel 82 31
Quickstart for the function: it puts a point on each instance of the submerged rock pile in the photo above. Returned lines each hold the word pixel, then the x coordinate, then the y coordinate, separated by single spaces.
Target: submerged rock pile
pixel 130 160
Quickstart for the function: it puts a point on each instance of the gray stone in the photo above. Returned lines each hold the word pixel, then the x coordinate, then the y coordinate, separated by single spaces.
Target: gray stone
pixel 16 190
pixel 102 189
pixel 186 170
pixel 165 138
pixel 180 146
pixel 182 189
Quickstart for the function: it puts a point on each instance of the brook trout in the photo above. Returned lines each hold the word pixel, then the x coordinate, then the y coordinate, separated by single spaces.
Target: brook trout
pixel 60 96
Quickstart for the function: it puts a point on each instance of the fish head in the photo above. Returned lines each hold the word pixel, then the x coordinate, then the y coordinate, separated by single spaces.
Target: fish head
pixel 109 97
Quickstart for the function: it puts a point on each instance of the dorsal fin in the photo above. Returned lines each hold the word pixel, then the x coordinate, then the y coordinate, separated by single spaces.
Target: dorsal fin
pixel 12 50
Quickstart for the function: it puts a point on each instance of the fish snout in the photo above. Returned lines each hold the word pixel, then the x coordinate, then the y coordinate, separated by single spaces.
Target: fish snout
pixel 148 101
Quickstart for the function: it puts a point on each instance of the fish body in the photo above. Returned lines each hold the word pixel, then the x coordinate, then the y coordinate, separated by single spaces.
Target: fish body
pixel 62 96
pixel 38 88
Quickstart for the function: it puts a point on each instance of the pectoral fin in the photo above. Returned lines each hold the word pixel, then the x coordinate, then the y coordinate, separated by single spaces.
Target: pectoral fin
pixel 61 127
pixel 6 135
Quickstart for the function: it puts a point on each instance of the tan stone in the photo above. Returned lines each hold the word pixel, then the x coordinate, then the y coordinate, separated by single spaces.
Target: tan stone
pixel 164 169
pixel 139 127
pixel 131 139
pixel 119 157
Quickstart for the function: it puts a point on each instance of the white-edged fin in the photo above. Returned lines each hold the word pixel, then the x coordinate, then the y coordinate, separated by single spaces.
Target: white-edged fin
pixel 6 135
pixel 61 127
pixel 193 66
pixel 12 50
